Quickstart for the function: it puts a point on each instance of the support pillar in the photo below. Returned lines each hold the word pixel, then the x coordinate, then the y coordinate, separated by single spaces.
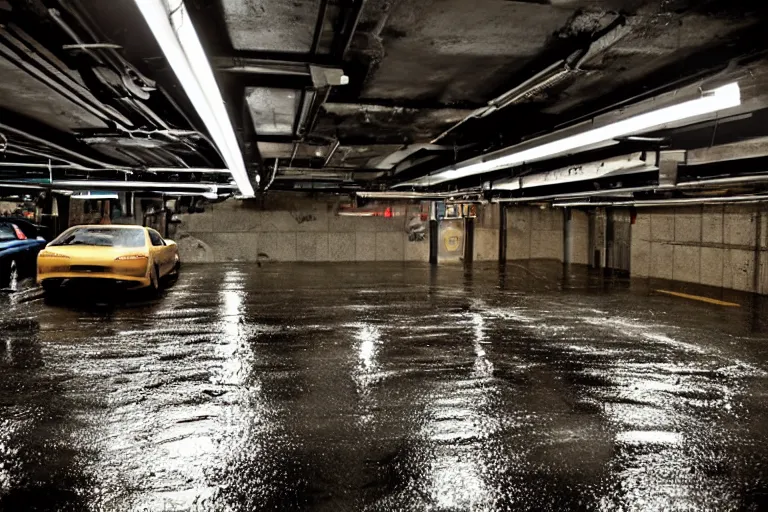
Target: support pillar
pixel 469 240
pixel 567 235
pixel 758 271
pixel 433 233
pixel 502 233
pixel 597 238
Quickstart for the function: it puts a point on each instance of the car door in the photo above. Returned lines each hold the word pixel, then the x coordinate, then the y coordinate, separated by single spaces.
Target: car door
pixel 159 251
pixel 16 247
pixel 33 244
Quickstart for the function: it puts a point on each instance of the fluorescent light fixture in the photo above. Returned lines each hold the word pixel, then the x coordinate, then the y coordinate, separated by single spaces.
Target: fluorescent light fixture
pixel 721 98
pixel 94 194
pixel 173 30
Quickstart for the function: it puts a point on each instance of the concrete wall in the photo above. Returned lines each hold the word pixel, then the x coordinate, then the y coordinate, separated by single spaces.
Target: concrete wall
pixel 487 232
pixel 722 246
pixel 579 226
pixel 311 231
pixel 8 207
pixel 534 233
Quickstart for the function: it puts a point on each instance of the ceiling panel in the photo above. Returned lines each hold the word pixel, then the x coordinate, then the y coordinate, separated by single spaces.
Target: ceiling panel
pixel 269 150
pixel 271 25
pixel 25 95
pixel 273 111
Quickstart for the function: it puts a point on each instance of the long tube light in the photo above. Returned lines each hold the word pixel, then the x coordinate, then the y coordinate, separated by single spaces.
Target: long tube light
pixel 119 185
pixel 173 30
pixel 721 98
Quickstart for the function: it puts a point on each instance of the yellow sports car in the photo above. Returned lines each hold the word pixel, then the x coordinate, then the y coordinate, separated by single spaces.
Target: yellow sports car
pixel 132 256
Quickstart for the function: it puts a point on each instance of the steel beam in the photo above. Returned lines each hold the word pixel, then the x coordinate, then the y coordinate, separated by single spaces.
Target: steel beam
pixel 753 148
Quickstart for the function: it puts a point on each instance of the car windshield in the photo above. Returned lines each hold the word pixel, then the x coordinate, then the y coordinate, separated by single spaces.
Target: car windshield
pixel 102 237
pixel 7 232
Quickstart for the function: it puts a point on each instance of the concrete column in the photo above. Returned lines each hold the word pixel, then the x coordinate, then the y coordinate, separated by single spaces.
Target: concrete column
pixel 567 235
pixel 469 239
pixel 502 233
pixel 759 235
pixel 433 233
pixel 597 228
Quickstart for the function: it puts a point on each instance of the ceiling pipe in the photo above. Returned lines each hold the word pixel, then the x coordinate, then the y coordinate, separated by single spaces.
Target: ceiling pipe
pixel 62 149
pixel 119 185
pixel 200 170
pixel 668 202
pixel 43 166
pixel 259 67
pixel 536 81
pixel 274 174
pixel 548 77
pixel 734 180
pixel 598 133
pixel 332 152
pixel 60 83
pixel 578 195
pixel 415 195
pixel 71 167
pixel 687 185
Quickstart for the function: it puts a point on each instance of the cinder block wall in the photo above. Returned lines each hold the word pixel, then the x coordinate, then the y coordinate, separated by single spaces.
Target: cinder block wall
pixel 487 232
pixel 579 237
pixel 722 246
pixel 244 231
pixel 534 233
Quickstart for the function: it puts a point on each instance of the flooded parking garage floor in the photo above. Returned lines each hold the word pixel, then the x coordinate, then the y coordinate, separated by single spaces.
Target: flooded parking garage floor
pixel 383 387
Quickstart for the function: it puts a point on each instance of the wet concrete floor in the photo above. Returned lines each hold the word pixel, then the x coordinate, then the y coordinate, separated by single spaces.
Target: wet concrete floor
pixel 383 387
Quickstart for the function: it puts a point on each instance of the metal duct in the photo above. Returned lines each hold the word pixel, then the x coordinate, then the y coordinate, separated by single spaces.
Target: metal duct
pixel 688 185
pixel 120 185
pixel 669 202
pixel 626 164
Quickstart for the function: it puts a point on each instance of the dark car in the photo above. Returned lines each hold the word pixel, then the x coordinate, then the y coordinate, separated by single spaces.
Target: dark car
pixel 19 245
pixel 29 228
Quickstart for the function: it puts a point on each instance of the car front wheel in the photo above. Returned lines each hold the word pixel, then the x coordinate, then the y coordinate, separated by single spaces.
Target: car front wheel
pixel 51 285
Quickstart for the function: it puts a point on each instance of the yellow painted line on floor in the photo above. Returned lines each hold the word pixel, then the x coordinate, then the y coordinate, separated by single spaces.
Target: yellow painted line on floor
pixel 700 298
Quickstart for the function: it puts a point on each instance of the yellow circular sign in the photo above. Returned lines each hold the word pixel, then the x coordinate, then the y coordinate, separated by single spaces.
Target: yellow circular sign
pixel 452 239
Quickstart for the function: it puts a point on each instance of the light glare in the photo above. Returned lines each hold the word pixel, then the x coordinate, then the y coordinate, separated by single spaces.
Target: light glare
pixel 721 98
pixel 178 39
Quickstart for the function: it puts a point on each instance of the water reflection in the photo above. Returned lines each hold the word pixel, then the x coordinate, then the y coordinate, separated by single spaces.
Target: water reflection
pixel 232 342
pixel 460 432
pixel 661 411
pixel 368 338
pixel 283 387
pixel 483 367
pixel 34 409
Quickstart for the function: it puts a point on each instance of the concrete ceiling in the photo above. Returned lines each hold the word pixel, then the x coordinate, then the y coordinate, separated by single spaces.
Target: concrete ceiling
pixel 418 71
pixel 417 68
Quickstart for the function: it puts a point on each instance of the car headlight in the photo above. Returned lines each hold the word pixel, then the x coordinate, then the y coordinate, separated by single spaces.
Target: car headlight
pixel 129 257
pixel 48 254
